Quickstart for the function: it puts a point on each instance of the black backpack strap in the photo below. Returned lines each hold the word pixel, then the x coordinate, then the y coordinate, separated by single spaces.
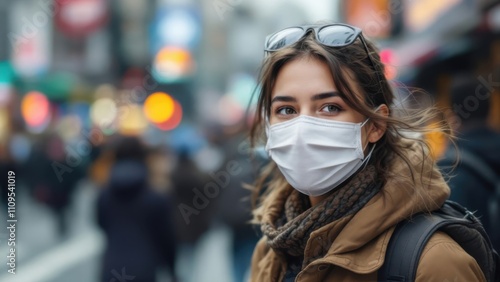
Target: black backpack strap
pixel 406 246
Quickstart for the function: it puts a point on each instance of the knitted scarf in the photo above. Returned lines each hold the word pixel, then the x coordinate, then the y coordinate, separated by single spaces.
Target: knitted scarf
pixel 288 232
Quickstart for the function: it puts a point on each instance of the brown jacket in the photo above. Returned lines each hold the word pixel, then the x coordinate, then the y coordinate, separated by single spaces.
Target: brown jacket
pixel 356 244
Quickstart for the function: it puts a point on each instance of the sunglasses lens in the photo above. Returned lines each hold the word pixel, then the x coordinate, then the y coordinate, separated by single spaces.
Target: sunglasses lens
pixel 284 38
pixel 337 35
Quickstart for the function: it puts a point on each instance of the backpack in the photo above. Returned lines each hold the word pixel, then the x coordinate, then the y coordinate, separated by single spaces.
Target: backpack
pixel 410 237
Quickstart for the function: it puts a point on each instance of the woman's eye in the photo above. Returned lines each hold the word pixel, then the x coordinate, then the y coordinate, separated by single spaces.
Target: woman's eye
pixel 332 109
pixel 285 111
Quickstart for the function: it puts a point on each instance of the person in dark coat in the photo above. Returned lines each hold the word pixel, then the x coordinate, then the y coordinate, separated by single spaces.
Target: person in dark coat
pixel 136 220
pixel 52 180
pixel 475 137
pixel 190 226
pixel 234 208
pixel 186 177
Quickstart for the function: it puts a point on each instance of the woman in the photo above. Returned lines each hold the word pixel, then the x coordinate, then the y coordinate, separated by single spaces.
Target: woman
pixel 344 170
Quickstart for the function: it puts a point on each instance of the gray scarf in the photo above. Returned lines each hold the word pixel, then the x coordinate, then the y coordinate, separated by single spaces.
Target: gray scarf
pixel 288 233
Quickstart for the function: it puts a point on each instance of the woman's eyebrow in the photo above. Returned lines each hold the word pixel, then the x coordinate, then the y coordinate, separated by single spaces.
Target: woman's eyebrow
pixel 283 99
pixel 325 95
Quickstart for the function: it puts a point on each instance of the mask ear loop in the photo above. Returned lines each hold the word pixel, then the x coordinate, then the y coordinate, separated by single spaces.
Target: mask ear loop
pixel 364 122
pixel 367 159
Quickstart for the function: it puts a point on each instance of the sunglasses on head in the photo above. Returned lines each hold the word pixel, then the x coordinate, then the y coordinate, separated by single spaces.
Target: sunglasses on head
pixel 332 35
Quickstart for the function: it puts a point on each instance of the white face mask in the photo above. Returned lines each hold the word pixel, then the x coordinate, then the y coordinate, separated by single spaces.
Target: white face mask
pixel 316 155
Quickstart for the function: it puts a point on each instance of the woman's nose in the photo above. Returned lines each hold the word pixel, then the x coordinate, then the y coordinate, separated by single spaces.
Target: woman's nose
pixel 306 111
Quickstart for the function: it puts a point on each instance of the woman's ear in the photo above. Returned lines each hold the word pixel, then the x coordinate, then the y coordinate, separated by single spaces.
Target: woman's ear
pixel 377 129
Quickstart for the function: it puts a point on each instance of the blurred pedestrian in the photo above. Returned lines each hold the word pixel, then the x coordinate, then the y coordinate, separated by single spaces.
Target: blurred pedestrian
pixel 140 235
pixel 190 223
pixel 234 207
pixel 51 179
pixel 344 170
pixel 478 152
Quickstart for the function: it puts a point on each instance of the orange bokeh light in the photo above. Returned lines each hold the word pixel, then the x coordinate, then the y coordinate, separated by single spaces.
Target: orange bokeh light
pixel 35 108
pixel 174 55
pixel 174 120
pixel 172 63
pixel 159 107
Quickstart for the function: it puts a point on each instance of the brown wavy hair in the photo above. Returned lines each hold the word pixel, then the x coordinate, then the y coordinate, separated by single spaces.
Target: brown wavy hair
pixel 350 62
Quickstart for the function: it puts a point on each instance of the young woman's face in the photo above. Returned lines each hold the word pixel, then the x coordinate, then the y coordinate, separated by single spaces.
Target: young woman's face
pixel 305 87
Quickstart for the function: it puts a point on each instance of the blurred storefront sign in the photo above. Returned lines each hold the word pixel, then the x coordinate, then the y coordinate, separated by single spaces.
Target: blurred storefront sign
pixel 176 32
pixel 30 39
pixel 176 26
pixel 78 18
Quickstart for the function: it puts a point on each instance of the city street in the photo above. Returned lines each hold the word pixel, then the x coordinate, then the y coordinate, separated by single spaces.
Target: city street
pixel 180 141
pixel 43 257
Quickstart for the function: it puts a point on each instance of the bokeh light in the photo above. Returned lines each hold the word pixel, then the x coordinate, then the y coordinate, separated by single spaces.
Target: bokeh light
pixel 172 64
pixel 388 58
pixel 4 124
pixel 69 127
pixel 35 109
pixel 159 107
pixel 179 27
pixel 133 121
pixel 103 112
pixel 437 141
pixel 174 120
